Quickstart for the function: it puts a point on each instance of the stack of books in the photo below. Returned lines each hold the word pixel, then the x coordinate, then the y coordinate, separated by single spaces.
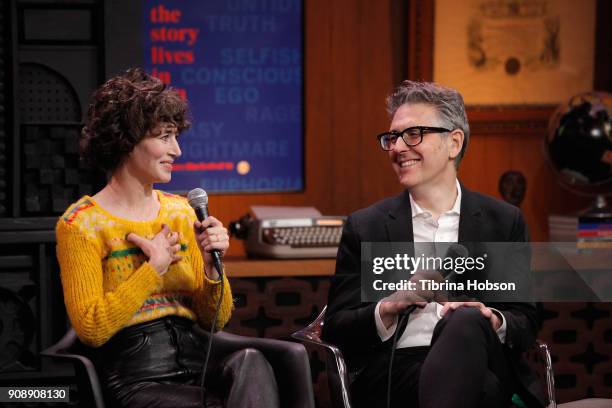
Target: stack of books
pixel 562 228
pixel 594 232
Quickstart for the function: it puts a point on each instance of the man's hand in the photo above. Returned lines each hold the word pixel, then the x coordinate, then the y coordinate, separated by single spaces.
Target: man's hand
pixel 399 301
pixel 487 312
pixel 389 308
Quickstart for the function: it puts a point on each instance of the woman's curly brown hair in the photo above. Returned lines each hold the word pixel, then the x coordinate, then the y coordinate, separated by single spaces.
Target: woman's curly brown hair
pixel 122 112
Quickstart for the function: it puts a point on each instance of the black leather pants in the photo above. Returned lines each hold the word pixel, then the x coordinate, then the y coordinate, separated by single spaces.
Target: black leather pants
pixel 159 364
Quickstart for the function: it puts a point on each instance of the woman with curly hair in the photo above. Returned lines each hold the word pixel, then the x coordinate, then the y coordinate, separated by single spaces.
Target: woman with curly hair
pixel 136 264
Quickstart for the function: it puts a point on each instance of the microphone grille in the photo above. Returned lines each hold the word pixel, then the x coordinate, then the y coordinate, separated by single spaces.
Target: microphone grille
pixel 197 198
pixel 457 250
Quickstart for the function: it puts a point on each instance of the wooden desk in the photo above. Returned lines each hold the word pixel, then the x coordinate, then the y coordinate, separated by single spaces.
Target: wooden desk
pixel 241 267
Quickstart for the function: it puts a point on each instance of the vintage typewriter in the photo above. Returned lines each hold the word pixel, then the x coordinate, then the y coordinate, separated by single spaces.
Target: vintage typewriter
pixel 282 232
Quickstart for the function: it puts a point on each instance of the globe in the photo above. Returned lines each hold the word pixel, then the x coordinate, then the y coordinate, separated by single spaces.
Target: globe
pixel 578 144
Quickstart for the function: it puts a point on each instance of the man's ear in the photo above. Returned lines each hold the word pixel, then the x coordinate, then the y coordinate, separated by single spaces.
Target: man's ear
pixel 455 140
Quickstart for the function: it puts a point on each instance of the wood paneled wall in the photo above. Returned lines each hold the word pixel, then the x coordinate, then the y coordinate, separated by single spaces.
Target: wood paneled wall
pixel 356 51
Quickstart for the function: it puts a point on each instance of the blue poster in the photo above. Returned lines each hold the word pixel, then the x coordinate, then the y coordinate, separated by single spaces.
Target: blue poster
pixel 239 63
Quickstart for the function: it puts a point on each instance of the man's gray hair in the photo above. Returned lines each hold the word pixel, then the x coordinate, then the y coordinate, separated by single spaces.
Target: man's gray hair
pixel 447 101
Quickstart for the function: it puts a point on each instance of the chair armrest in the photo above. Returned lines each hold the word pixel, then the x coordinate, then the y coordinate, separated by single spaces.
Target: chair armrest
pixel 289 361
pixel 550 376
pixel 338 375
pixel 63 344
pixel 60 350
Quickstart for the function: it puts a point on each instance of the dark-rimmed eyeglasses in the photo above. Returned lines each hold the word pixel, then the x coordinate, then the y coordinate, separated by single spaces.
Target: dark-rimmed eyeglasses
pixel 412 136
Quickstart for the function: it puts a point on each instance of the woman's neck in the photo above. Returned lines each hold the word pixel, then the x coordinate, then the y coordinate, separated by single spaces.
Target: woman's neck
pixel 129 198
pixel 129 191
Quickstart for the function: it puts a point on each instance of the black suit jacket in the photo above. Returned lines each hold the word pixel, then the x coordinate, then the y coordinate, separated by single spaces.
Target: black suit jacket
pixel 350 324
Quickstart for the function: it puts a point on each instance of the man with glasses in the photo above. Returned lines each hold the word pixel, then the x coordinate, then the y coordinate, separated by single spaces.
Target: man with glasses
pixel 449 354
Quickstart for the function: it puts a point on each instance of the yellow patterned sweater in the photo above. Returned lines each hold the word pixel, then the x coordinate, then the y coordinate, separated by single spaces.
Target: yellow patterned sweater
pixel 108 283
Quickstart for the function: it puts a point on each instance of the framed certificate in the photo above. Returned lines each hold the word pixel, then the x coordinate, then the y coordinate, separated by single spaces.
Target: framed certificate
pixel 513 61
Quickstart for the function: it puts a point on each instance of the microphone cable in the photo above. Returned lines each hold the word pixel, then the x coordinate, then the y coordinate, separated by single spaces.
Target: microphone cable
pixel 212 329
pixel 404 315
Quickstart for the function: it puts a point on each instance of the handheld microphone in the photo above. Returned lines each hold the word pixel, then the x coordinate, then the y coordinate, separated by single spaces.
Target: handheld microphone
pixel 198 200
pixel 449 274
pixel 454 251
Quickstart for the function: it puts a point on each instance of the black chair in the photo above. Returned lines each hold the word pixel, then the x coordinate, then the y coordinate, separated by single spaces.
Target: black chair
pixel 289 361
pixel 338 375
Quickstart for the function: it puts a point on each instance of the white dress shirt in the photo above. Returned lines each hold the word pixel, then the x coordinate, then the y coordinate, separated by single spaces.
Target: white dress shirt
pixel 421 322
